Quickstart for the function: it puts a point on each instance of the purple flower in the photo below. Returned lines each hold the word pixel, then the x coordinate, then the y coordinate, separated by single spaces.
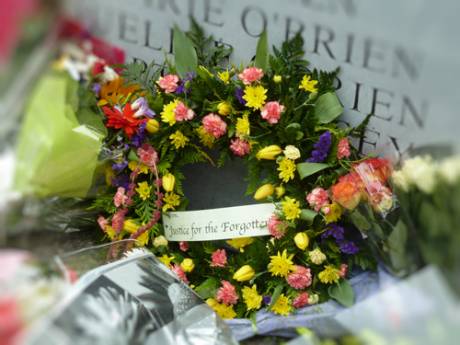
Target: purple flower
pixel 138 139
pixel 184 86
pixel 335 231
pixel 348 247
pixel 267 300
pixel 96 88
pixel 120 166
pixel 321 148
pixel 121 181
pixel 239 95
pixel 142 108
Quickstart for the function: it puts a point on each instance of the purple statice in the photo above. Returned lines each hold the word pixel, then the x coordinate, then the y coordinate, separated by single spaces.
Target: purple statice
pixel 119 166
pixel 96 88
pixel 121 181
pixel 348 247
pixel 184 85
pixel 138 139
pixel 239 95
pixel 335 231
pixel 141 106
pixel 267 300
pixel 321 148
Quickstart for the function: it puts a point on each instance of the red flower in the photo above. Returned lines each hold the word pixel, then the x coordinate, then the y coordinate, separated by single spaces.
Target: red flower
pixel 348 191
pixel 124 120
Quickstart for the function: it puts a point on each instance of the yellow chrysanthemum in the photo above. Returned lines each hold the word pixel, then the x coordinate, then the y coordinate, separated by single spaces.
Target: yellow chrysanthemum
pixel 329 275
pixel 240 243
pixel 282 306
pixel 251 297
pixel 205 138
pixel 143 239
pixel 110 232
pixel 286 168
pixel 243 127
pixel 166 260
pixel 308 84
pixel 171 200
pixel 143 189
pixel 255 96
pixel 178 139
pixel 291 208
pixel 168 115
pixel 334 214
pixel 143 169
pixel 223 310
pixel 224 76
pixel 281 264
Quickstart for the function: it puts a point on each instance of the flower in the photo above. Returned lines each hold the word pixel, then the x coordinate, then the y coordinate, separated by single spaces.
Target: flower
pixel 374 168
pixel 343 270
pixel 180 273
pixel 282 306
pixel 301 300
pixel 183 113
pixel 147 155
pixel 183 246
pixel 240 243
pixel 308 84
pixel 400 180
pixel 348 191
pixel 142 108
pixel 279 191
pixel 281 264
pixel 332 212
pixel 143 190
pixel 321 148
pixel 142 168
pixel 168 181
pixel 269 152
pixel 277 78
pixel 205 138
pixel 115 90
pixel 300 278
pixel 335 231
pixel 168 83
pixel 343 149
pixel 264 191
pixel 168 114
pixel 219 258
pixel 255 96
pixel 214 125
pixel 317 256
pixel 250 75
pixel 227 293
pixel 301 240
pixel 329 275
pixel 223 310
pixel 313 299
pixel 242 127
pixel 160 241
pixel 130 226
pixel 348 247
pixel 178 139
pixel 421 172
pixel 277 227
pixel 286 168
pixel 102 222
pixel 224 108
pixel 449 169
pixel 171 200
pixel 143 239
pixel 224 76
pixel 291 152
pixel 318 198
pixel 122 119
pixel 184 85
pixel 251 297
pixel 152 126
pixel 240 147
pixel 272 112
pixel 187 265
pixel 244 273
pixel 291 208
pixel 166 260
pixel 120 198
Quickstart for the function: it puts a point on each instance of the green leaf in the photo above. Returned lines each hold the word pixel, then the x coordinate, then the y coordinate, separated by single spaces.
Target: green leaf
pixel 207 288
pixel 342 293
pixel 308 169
pixel 360 221
pixel 261 60
pixel 328 108
pixel 397 246
pixel 308 215
pixel 184 53
pixel 276 295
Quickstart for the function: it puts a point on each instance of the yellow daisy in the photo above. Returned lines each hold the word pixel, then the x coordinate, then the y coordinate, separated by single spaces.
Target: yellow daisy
pixel 168 115
pixel 243 127
pixel 143 189
pixel 178 139
pixel 281 264
pixel 251 297
pixel 308 84
pixel 291 208
pixel 171 200
pixel 282 306
pixel 205 138
pixel 329 275
pixel 255 96
pixel 143 169
pixel 286 168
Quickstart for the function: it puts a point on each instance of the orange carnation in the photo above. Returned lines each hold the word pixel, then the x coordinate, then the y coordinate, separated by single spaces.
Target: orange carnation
pixel 348 191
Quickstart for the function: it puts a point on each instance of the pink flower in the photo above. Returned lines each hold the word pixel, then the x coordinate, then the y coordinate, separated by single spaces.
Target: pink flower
pixel 183 113
pixel 318 198
pixel 227 293
pixel 168 83
pixel 272 112
pixel 180 273
pixel 11 323
pixel 219 258
pixel 118 219
pixel 277 227
pixel 214 125
pixel 250 75
pixel 343 149
pixel 183 246
pixel 147 155
pixel 120 197
pixel 301 300
pixel 103 222
pixel 300 278
pixel 343 270
pixel 240 147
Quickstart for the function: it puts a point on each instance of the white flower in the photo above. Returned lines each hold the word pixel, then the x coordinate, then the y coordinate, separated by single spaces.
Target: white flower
pixel 400 180
pixel 317 256
pixel 313 298
pixel 421 172
pixel 160 241
pixel 291 152
pixel 109 74
pixel 449 169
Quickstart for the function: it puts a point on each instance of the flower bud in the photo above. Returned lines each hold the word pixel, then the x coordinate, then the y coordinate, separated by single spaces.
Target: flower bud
pixel 187 265
pixel 130 226
pixel 280 190
pixel 313 299
pixel 160 241
pixel 301 240
pixel 244 273
pixel 277 78
pixel 223 108
pixel 269 152
pixel 152 126
pixel 264 192
pixel 168 181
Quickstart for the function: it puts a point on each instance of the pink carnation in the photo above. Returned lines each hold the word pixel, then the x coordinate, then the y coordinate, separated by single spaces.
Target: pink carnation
pixel 180 273
pixel 240 147
pixel 169 83
pixel 147 155
pixel 277 227
pixel 343 270
pixel 343 149
pixel 250 75
pixel 120 198
pixel 272 112
pixel 103 222
pixel 227 293
pixel 183 113
pixel 219 258
pixel 214 125
pixel 118 219
pixel 318 198
pixel 183 246
pixel 300 278
pixel 301 300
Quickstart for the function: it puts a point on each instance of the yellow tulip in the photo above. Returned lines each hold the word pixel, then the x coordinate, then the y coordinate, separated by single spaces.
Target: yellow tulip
pixel 223 108
pixel 264 192
pixel 245 273
pixel 269 152
pixel 152 126
pixel 301 240
pixel 130 226
pixel 168 182
pixel 280 190
pixel 187 265
pixel 277 78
